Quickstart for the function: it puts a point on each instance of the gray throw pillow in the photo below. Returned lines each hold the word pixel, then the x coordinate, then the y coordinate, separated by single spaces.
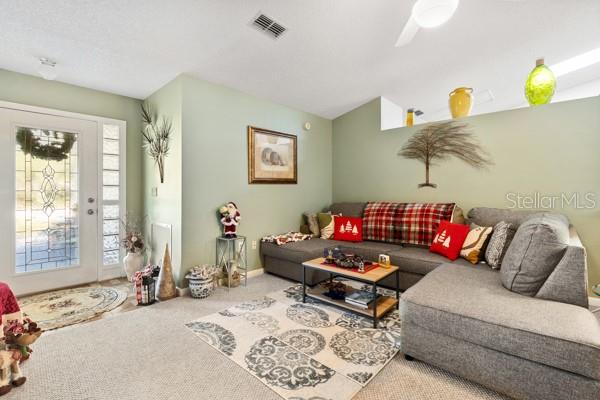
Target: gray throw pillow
pixel 538 246
pixel 313 224
pixel 498 244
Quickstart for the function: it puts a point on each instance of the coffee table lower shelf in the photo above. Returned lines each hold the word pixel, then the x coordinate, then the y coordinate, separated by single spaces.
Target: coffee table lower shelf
pixel 384 303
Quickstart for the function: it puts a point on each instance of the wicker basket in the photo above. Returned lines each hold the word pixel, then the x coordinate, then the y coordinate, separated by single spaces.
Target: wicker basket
pixel 201 288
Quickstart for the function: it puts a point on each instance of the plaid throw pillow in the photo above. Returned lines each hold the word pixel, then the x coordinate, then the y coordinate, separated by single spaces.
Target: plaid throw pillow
pixel 417 223
pixel 379 222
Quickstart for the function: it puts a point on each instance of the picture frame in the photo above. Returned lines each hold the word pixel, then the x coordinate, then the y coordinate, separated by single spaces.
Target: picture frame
pixel 272 157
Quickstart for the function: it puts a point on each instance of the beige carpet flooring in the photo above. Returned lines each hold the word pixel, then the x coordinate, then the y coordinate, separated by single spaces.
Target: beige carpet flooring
pixel 149 354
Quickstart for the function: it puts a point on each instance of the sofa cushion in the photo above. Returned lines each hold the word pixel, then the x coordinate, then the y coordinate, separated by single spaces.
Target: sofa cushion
pixel 312 222
pixel 537 247
pixel 449 239
pixel 348 209
pixel 471 304
pixel 502 235
pixel 326 225
pixel 298 251
pixel 485 216
pixel 475 244
pixel 347 229
pixel 419 260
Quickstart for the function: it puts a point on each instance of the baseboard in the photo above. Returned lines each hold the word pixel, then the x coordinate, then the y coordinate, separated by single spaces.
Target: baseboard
pixel 181 292
pixel 594 301
pixel 256 272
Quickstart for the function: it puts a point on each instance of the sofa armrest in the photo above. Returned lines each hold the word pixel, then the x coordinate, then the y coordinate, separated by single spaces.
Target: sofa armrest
pixel 568 283
pixel 574 239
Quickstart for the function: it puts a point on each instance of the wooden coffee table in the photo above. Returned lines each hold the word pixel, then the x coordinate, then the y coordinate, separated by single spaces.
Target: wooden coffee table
pixel 380 307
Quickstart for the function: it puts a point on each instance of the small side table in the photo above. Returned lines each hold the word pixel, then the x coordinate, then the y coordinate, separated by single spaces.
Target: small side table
pixel 232 251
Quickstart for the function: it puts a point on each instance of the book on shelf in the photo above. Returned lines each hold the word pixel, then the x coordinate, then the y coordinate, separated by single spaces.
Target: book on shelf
pixel 361 298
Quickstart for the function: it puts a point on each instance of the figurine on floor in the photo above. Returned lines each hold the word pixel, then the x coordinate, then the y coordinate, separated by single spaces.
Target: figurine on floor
pixel 16 334
pixel 230 218
pixel 10 372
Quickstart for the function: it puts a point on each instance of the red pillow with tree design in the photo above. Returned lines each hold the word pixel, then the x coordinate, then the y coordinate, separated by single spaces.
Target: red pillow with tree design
pixel 449 239
pixel 348 229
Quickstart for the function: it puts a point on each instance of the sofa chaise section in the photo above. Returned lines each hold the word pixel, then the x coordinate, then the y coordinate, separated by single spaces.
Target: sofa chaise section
pixel 463 320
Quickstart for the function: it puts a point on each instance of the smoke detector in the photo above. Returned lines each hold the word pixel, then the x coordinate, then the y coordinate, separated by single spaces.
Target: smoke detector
pixel 268 25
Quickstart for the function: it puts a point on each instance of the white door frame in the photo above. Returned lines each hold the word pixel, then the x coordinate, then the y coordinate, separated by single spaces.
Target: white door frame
pixel 104 272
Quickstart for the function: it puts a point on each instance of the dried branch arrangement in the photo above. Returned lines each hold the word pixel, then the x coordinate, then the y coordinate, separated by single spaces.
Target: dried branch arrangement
pixel 441 141
pixel 156 134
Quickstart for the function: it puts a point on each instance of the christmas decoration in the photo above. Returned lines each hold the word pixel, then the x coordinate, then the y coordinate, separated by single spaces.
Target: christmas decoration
pixel 230 219
pixel 58 148
pixel 449 239
pixel 16 335
pixel 165 288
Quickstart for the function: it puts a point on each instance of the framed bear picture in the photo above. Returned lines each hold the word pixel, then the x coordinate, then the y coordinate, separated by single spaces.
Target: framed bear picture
pixel 272 156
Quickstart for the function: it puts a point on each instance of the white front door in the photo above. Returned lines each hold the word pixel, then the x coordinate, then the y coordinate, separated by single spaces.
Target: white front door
pixel 48 198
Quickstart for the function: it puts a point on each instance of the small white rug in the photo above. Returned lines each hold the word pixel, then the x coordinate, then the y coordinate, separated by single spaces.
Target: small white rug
pixel 58 308
pixel 302 351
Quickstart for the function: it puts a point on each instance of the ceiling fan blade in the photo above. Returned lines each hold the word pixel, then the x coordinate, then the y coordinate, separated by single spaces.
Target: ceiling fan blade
pixel 408 33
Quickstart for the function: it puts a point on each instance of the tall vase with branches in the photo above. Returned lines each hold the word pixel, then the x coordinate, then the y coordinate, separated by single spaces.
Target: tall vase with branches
pixel 157 135
pixel 441 141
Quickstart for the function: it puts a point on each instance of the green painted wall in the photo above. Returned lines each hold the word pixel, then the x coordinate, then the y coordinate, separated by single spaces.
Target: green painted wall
pixel 215 120
pixel 207 167
pixel 30 90
pixel 549 149
pixel 165 207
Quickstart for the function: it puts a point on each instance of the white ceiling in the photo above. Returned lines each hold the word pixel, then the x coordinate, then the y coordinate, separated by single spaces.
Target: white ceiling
pixel 337 54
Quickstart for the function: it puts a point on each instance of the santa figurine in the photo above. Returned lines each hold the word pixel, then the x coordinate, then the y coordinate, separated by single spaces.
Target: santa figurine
pixel 230 218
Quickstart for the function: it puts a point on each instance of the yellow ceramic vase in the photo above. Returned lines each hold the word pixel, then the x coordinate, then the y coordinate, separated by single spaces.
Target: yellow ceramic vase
pixel 410 117
pixel 461 102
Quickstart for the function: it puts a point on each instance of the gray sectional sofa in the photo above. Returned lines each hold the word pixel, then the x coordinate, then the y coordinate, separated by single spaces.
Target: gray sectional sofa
pixel 460 317
pixel 414 262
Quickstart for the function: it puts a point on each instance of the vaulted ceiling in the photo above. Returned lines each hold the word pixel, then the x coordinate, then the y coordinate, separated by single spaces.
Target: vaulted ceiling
pixel 336 54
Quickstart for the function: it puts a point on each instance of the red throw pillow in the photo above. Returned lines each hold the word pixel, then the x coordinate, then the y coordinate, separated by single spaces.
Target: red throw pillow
pixel 348 229
pixel 449 239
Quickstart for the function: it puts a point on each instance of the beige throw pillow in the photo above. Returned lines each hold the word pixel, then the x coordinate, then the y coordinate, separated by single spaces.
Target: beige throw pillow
pixel 326 225
pixel 472 249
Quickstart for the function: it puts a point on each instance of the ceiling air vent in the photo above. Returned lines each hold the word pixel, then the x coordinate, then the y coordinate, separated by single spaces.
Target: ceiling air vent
pixel 268 26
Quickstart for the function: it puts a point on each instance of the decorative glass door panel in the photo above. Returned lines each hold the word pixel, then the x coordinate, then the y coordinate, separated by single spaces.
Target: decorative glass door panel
pixel 47 200
pixel 51 237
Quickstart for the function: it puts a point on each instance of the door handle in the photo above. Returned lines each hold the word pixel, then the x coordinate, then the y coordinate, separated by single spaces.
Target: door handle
pixel 90 211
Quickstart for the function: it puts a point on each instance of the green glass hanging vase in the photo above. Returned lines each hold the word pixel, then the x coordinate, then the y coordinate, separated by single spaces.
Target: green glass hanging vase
pixel 540 84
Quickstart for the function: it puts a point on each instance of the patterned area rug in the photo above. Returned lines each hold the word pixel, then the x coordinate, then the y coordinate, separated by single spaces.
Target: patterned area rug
pixel 60 308
pixel 302 351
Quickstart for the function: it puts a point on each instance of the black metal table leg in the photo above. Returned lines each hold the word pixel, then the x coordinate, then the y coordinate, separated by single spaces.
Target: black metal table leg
pixel 375 305
pixel 303 284
pixel 397 289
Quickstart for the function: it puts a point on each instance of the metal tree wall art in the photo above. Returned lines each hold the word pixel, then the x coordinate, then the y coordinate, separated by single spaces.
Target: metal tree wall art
pixel 441 141
pixel 157 135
